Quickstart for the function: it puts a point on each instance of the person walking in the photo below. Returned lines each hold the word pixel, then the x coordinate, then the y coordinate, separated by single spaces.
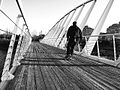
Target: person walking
pixel 74 36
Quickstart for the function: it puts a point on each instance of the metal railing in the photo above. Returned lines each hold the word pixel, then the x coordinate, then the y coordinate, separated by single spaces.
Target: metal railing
pixel 13 43
pixel 107 45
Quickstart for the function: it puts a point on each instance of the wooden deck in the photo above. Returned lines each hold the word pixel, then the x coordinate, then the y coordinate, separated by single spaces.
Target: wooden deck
pixel 44 68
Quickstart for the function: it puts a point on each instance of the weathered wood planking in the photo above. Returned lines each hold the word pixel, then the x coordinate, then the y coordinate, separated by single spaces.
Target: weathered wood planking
pixel 44 68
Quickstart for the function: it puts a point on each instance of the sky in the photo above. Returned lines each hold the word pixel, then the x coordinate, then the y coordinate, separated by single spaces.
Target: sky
pixel 41 15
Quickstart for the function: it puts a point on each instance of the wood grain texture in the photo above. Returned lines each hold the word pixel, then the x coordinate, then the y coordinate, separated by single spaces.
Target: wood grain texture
pixel 44 68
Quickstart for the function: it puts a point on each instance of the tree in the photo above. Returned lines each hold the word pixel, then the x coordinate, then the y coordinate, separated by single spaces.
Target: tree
pixel 114 28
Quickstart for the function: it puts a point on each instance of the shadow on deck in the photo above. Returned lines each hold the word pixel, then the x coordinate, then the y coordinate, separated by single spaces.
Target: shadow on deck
pixel 44 68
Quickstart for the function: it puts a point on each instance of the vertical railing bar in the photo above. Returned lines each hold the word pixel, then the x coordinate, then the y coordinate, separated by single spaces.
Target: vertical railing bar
pixel 86 45
pixel 114 47
pixel 98 51
pixel 58 37
pixel 6 75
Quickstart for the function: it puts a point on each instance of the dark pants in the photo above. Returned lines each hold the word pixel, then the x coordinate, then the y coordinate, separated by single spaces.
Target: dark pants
pixel 70 46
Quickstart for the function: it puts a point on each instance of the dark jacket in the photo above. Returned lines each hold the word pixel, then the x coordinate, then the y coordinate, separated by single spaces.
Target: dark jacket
pixel 75 33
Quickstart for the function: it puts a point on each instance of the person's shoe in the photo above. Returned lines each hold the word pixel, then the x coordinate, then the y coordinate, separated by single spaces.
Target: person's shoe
pixel 70 55
pixel 66 56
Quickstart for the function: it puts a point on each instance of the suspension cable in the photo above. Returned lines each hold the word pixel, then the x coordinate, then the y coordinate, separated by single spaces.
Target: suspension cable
pixel 73 10
pixel 11 20
pixel 5 31
pixel 77 7
pixel 23 16
pixel 21 13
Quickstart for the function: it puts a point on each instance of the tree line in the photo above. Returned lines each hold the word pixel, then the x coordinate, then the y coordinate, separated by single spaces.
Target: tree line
pixel 105 42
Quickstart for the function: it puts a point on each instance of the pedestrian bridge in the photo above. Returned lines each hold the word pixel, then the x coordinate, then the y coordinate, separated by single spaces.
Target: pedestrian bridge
pixel 31 65
pixel 44 68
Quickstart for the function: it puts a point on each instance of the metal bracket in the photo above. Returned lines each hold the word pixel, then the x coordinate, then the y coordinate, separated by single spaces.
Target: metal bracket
pixel 7 76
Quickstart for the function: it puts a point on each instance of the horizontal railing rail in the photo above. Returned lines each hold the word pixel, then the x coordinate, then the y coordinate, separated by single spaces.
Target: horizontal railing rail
pixel 107 45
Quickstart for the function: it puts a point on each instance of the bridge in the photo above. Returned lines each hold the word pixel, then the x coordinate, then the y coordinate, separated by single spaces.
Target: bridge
pixel 30 65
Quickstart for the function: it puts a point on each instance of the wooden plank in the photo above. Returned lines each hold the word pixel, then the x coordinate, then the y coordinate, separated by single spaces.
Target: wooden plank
pixel 59 82
pixel 103 79
pixel 50 82
pixel 30 79
pixel 69 84
pixel 53 79
pixel 39 79
pixel 81 77
pixel 18 82
pixel 47 83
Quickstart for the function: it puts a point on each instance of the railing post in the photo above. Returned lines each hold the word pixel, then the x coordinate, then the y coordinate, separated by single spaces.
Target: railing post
pixel 114 46
pixel 86 46
pixel 22 47
pixel 98 51
pixel 16 61
pixel 98 28
pixel 25 44
pixel 6 75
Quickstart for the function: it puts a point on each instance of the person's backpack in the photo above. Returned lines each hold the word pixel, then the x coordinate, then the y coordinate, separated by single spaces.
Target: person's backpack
pixel 78 34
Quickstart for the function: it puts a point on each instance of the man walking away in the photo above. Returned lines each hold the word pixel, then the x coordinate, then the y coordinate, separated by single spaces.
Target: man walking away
pixel 74 36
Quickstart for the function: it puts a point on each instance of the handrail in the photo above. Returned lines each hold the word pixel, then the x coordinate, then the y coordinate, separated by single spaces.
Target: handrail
pixel 102 35
pixel 71 11
pixel 94 35
pixel 21 12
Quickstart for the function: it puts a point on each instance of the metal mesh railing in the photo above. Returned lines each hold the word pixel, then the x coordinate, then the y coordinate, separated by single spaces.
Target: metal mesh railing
pixel 14 38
